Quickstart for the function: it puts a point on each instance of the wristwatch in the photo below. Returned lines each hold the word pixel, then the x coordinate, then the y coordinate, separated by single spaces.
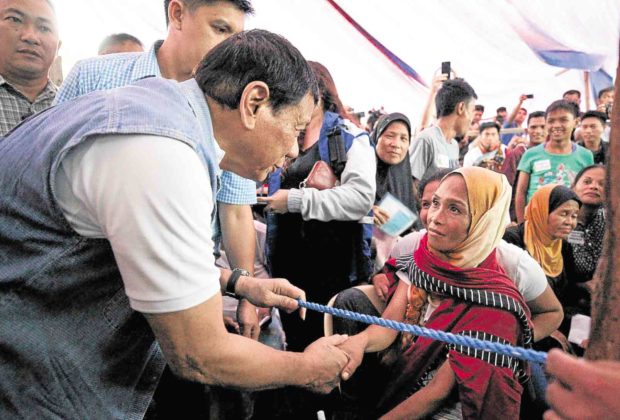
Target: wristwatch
pixel 232 281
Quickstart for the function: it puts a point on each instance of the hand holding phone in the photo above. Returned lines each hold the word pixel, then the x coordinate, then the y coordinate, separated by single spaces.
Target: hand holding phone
pixel 446 68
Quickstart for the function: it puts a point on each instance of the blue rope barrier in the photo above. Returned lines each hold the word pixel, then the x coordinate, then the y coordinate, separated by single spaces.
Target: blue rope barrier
pixel 507 350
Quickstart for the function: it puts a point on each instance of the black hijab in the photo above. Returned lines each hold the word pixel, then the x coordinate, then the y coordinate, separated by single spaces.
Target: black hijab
pixel 395 179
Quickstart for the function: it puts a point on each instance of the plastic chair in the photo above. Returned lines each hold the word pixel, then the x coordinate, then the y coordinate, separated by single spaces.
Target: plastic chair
pixel 369 291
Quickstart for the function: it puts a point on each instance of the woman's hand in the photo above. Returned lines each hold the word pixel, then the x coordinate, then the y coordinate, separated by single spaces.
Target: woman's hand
pixel 380 216
pixel 381 285
pixel 354 347
pixel 277 203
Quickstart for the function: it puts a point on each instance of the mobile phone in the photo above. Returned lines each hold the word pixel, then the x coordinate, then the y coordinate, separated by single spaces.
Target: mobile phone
pixel 445 68
pixel 530 96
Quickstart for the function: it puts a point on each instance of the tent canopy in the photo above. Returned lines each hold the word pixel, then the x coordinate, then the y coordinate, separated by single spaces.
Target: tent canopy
pixel 502 48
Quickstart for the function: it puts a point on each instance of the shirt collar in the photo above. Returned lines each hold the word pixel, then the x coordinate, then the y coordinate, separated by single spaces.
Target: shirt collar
pixel 146 64
pixel 49 91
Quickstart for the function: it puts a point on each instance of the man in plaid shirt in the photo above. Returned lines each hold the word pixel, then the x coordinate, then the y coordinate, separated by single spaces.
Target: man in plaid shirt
pixel 28 45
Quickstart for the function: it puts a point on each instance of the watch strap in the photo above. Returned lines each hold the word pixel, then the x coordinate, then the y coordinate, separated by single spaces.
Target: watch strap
pixel 232 281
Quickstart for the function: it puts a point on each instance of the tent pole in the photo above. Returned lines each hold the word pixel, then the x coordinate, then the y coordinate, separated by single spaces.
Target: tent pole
pixel 586 82
pixel 605 334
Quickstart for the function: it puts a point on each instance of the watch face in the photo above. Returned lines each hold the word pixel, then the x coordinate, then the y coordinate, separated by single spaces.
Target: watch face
pixel 242 272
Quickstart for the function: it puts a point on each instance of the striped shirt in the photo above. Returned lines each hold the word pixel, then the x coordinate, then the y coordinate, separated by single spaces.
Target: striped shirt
pixel 116 70
pixel 15 107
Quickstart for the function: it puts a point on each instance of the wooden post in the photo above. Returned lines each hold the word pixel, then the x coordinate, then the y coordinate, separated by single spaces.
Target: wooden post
pixel 605 335
pixel 586 87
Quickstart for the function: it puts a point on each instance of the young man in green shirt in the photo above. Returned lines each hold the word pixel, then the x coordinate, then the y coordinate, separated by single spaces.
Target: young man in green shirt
pixel 556 161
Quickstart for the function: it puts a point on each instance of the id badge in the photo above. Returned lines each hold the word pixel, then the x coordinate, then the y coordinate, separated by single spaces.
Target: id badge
pixel 577 237
pixel 442 161
pixel 542 165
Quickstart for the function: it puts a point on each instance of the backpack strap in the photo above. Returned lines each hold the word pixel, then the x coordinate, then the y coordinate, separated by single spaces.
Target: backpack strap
pixel 334 144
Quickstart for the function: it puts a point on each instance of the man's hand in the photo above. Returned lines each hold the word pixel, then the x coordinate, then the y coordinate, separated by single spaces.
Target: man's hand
pixel 248 319
pixel 326 362
pixel 515 141
pixel 380 216
pixel 582 389
pixel 231 325
pixel 354 347
pixel 381 284
pixel 277 203
pixel 271 292
pixel 438 81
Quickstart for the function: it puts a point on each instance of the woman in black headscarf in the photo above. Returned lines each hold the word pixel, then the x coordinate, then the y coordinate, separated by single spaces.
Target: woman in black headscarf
pixel 391 138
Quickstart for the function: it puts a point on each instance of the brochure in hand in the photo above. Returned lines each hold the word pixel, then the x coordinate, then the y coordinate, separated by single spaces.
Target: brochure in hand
pixel 401 218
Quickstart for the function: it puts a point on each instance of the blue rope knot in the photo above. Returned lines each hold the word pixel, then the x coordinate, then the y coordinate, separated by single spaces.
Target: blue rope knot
pixel 504 349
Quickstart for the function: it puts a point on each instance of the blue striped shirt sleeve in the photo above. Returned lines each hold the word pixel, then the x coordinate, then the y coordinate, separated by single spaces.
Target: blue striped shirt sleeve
pixel 236 190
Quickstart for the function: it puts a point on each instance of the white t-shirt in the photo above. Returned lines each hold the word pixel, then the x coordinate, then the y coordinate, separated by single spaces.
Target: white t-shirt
pixel 519 266
pixel 151 198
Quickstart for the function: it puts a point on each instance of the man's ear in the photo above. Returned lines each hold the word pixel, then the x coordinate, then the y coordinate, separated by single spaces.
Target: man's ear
pixel 176 11
pixel 460 108
pixel 255 96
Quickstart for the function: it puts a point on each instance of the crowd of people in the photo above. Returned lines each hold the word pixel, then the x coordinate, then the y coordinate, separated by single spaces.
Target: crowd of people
pixel 164 208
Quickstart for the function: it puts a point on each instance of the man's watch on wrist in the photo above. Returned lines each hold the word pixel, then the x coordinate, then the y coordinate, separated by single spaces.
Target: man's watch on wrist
pixel 232 281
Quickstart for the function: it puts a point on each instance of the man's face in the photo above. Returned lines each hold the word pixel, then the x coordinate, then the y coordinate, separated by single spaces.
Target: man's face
pixel 274 137
pixel 501 117
pixel 477 117
pixel 560 125
pixel 592 130
pixel 463 122
pixel 607 98
pixel 489 139
pixel 28 38
pixel 521 114
pixel 122 47
pixel 536 130
pixel 572 97
pixel 207 26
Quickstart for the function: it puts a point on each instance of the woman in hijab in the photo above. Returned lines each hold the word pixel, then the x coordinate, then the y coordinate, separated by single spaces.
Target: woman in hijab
pixel 391 138
pixel 453 282
pixel 550 217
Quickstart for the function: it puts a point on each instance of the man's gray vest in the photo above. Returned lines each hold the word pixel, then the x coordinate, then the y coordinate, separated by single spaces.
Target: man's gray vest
pixel 70 345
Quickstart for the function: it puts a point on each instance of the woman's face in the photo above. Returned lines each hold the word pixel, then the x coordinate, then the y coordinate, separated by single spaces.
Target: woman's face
pixel 563 220
pixel 591 187
pixel 448 216
pixel 427 199
pixel 393 144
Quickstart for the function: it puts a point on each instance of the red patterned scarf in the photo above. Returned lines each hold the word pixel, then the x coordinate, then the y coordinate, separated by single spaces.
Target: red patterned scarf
pixel 480 302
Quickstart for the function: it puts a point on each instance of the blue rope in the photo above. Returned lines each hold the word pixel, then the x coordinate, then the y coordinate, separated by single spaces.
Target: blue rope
pixel 507 350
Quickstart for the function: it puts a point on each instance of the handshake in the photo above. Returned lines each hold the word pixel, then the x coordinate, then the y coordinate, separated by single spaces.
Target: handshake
pixel 323 363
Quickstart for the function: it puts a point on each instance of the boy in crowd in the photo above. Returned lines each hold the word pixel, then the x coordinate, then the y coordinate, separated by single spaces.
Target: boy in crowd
pixel 435 147
pixel 535 134
pixel 489 152
pixel 592 128
pixel 556 161
pixel 515 120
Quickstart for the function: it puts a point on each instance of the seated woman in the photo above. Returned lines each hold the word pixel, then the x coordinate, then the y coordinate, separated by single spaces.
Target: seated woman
pixel 550 217
pixel 585 243
pixel 520 267
pixel 456 266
